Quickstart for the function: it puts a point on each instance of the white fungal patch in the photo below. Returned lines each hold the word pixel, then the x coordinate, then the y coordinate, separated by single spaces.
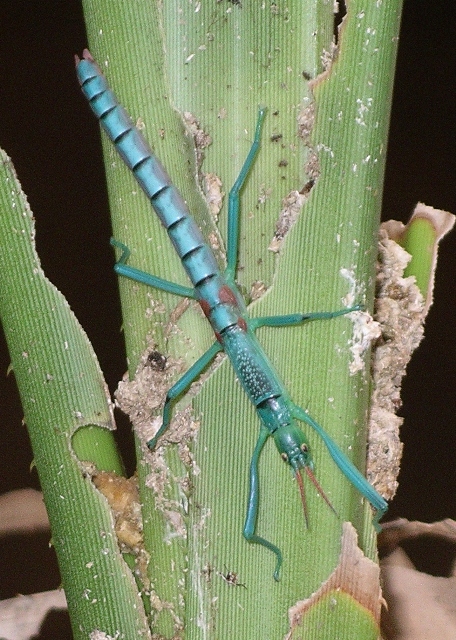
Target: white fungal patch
pixel 212 189
pixel 306 121
pixel 365 331
pixel 257 290
pixel 363 107
pixel 356 291
pixel 201 139
pixel 291 207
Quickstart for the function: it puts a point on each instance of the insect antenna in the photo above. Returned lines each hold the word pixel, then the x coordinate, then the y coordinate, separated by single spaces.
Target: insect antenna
pixel 319 489
pixel 302 491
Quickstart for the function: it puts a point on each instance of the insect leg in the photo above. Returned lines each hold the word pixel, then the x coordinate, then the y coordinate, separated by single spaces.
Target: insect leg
pixel 347 467
pixel 298 318
pixel 233 200
pixel 253 501
pixel 181 386
pixel 122 269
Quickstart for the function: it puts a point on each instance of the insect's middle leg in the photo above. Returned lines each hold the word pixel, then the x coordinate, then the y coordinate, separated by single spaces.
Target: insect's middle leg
pixel 253 502
pixel 293 319
pixel 181 386
pixel 346 466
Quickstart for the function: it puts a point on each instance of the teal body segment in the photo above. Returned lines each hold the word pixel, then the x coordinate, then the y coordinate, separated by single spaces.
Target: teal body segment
pixel 224 307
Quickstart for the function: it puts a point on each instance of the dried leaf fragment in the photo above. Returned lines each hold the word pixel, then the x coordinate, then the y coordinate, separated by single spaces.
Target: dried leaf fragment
pixel 400 309
pixel 123 498
pixel 420 606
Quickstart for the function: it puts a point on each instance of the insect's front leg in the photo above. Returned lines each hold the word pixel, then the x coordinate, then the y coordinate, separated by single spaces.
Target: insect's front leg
pixel 253 502
pixel 347 467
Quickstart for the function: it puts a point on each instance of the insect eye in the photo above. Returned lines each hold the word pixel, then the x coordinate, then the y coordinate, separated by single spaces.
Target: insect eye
pixel 284 457
pixel 304 448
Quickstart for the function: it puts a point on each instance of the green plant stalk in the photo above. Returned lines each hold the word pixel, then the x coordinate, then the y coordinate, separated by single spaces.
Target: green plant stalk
pixel 68 416
pixel 419 241
pixel 218 61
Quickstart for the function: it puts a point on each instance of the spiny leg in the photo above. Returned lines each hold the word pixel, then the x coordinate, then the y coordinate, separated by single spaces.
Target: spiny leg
pixel 181 386
pixel 346 466
pixel 298 318
pixel 253 501
pixel 122 269
pixel 233 200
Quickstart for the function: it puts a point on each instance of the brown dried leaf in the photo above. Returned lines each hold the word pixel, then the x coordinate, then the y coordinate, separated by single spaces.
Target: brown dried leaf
pixel 420 606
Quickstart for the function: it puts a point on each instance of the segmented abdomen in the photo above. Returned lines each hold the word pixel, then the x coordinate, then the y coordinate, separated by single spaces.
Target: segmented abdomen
pixel 197 258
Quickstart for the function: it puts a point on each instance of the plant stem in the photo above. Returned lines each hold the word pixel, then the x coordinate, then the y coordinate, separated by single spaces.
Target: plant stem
pixel 211 64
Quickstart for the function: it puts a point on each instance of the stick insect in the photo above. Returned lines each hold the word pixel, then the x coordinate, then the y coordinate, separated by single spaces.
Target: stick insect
pixel 224 307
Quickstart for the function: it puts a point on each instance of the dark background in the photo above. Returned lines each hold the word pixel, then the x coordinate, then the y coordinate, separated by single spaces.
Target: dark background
pixel 47 129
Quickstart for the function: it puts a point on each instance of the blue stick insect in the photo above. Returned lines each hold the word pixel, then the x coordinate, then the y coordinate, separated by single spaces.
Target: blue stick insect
pixel 224 307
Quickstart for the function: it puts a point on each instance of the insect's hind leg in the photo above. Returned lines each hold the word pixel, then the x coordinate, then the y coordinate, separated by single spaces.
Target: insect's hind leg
pixel 123 269
pixel 233 200
pixel 253 501
pixel 181 386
